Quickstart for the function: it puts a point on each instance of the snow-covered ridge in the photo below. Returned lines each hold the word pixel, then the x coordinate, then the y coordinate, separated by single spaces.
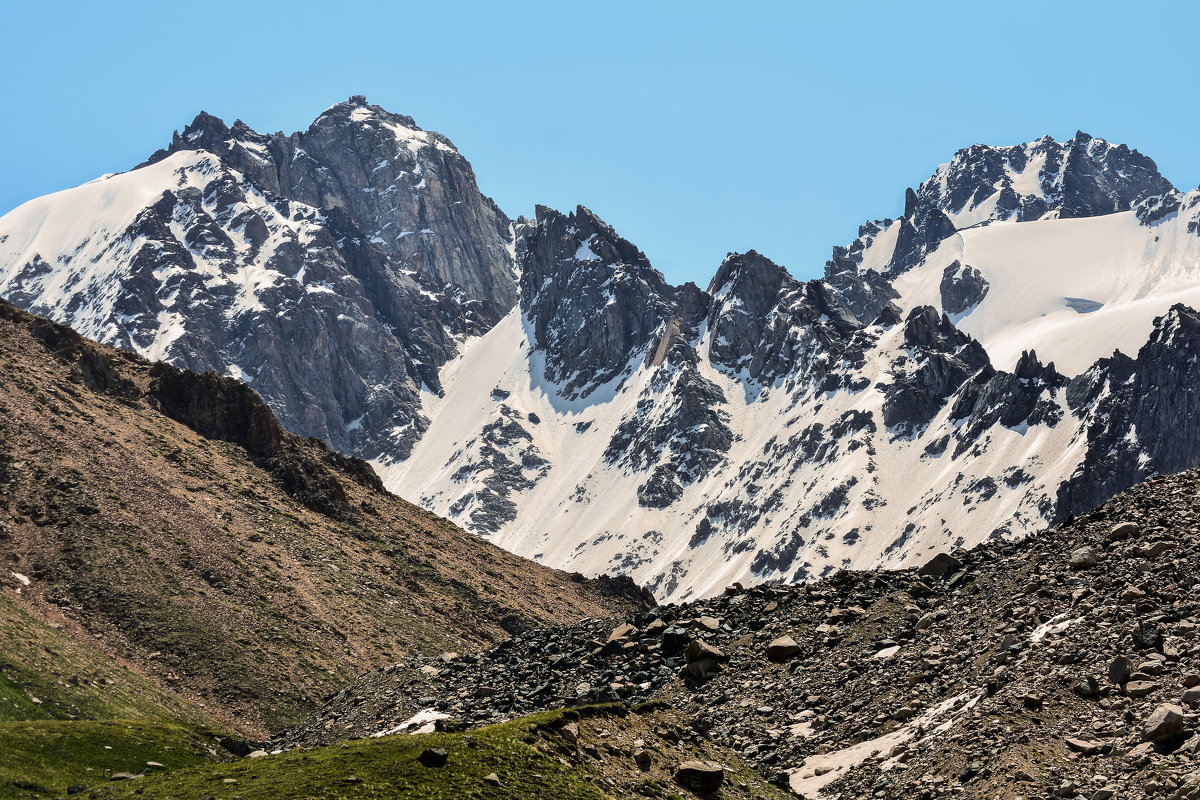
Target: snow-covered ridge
pixel 540 383
pixel 90 238
pixel 850 444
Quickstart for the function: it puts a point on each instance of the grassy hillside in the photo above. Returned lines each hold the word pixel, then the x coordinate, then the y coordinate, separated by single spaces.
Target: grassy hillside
pixel 46 674
pixel 248 570
pixel 71 715
pixel 534 759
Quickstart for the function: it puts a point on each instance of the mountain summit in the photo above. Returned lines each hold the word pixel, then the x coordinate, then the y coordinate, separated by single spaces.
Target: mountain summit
pixel 951 378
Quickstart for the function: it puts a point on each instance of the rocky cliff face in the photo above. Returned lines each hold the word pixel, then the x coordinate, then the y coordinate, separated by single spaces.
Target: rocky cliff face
pixel 335 270
pixel 408 190
pixel 1142 413
pixel 1082 177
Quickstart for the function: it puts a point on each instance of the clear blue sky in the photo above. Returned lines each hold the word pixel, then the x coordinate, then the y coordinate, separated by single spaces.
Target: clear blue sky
pixel 694 128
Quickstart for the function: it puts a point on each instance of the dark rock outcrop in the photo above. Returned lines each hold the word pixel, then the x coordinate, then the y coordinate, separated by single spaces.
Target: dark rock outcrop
pixel 767 325
pixel 962 288
pixel 1143 416
pixel 593 299
pixel 216 407
pixel 943 359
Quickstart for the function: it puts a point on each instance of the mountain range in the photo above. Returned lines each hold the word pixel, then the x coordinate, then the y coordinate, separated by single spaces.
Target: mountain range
pixel 1014 349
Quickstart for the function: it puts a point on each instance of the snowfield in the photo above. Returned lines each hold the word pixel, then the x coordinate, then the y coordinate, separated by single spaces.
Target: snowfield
pixel 1036 269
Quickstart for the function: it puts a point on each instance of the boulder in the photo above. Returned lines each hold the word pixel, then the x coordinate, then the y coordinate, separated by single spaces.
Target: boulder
pixel 674 640
pixel 1136 689
pixel 1124 531
pixel 1120 669
pixel 1085 747
pixel 698 650
pixel 623 633
pixel 940 566
pixel 433 757
pixel 1083 558
pixel 703 777
pixel 783 648
pixel 1164 724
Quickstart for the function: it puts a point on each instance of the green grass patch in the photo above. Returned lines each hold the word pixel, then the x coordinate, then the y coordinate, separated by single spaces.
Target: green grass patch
pixel 51 756
pixel 45 674
pixel 387 768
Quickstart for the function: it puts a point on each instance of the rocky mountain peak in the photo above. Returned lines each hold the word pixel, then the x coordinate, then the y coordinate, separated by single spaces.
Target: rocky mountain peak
pixel 409 192
pixel 592 297
pixel 358 112
pixel 1082 177
pixel 753 279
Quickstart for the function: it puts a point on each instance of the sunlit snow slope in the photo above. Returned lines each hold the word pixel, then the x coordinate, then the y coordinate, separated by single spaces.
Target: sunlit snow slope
pixel 1073 289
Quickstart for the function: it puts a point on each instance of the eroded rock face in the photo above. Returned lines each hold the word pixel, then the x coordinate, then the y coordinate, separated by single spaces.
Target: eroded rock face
pixel 1082 177
pixel 408 190
pixel 592 298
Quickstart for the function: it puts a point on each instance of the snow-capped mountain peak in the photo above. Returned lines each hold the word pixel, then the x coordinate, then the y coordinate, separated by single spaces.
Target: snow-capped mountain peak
pixel 951 378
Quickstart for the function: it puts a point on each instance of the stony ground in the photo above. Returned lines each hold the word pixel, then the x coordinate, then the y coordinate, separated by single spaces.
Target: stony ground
pixel 1062 666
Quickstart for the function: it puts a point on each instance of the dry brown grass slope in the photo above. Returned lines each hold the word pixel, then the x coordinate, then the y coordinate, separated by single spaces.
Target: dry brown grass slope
pixel 245 569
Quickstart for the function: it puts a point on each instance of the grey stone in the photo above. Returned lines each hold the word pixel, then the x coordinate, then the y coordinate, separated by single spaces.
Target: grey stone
pixel 1164 724
pixel 703 777
pixel 1084 558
